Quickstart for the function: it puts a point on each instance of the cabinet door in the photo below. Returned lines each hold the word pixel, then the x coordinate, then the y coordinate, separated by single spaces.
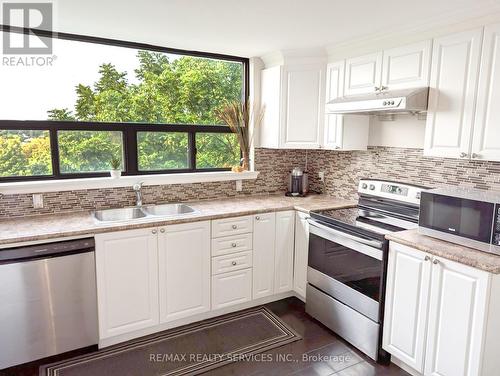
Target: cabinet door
pixel 334 89
pixel 231 288
pixel 486 139
pixel 406 304
pixel 452 96
pixel 363 74
pixel 264 232
pixel 283 259
pixel 456 319
pixel 407 66
pixel 301 253
pixel 270 97
pixel 127 281
pixel 303 107
pixel 184 257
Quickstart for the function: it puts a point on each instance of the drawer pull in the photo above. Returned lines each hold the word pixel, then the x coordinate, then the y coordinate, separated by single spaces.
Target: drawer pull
pixel 235 227
pixel 435 261
pixel 154 232
pixel 233 245
pixel 233 263
pixel 257 218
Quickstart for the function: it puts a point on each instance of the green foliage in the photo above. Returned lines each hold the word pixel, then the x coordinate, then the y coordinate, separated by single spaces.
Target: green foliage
pixel 184 90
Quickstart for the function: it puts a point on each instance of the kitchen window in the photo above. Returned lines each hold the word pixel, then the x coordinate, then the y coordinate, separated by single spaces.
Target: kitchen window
pixel 151 107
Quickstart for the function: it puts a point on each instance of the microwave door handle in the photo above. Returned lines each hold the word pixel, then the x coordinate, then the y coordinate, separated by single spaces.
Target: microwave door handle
pixel 371 243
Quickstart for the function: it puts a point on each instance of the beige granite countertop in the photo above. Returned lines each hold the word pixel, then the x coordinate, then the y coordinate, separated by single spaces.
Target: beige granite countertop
pixel 43 227
pixel 455 252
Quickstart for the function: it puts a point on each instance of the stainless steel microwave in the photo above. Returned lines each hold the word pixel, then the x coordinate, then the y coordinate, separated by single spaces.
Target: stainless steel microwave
pixel 464 216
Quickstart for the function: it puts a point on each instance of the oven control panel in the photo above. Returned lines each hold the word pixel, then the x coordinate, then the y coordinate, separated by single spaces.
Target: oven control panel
pixel 387 189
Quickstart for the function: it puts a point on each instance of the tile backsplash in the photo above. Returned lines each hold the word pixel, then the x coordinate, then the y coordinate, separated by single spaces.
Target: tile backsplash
pixel 344 169
pixel 342 173
pixel 273 166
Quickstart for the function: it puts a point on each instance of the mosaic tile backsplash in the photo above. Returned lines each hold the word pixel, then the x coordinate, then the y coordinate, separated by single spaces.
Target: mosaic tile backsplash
pixel 273 166
pixel 344 169
pixel 342 173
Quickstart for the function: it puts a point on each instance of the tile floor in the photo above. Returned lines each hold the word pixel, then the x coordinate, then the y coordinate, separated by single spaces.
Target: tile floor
pixel 320 352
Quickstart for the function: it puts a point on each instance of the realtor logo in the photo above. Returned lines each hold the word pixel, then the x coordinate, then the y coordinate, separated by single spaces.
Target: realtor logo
pixel 28 16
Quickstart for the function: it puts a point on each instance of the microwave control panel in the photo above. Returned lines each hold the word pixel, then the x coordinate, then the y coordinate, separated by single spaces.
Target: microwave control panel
pixel 496 226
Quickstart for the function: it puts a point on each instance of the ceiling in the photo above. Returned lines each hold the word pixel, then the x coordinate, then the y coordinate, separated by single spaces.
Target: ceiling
pixel 255 27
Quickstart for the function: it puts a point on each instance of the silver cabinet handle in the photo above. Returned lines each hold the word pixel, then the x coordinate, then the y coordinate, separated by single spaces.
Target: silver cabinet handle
pixel 162 230
pixel 427 258
pixel 376 88
pixel 435 261
pixel 154 231
pixel 463 155
pixel 234 227
pixel 257 218
pixel 233 263
pixel 476 156
pixel 233 245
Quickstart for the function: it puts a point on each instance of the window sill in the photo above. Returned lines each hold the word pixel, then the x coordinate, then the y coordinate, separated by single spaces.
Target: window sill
pixel 124 181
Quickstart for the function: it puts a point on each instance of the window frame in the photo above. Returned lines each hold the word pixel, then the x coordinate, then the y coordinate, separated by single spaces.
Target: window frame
pixel 129 130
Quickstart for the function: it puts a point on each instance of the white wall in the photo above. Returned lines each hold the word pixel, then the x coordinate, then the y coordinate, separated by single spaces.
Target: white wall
pixel 404 132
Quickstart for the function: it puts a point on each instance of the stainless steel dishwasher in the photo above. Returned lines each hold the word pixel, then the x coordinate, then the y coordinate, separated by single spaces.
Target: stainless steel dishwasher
pixel 48 300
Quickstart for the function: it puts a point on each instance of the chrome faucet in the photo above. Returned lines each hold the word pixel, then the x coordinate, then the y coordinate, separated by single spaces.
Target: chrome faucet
pixel 138 193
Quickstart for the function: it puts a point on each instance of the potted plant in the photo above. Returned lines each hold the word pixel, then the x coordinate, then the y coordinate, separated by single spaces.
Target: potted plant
pixel 116 170
pixel 238 116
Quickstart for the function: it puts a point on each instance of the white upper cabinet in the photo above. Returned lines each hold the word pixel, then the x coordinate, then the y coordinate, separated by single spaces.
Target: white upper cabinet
pixel 303 106
pixel 363 74
pixel 334 89
pixel 293 98
pixel 184 270
pixel 452 97
pixel 270 97
pixel 407 66
pixel 486 139
pixel 342 132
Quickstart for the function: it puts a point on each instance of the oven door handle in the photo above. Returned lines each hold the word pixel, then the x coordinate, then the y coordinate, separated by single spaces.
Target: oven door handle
pixel 372 248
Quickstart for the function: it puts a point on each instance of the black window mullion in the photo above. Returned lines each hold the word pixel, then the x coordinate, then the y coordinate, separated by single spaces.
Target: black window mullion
pixel 54 152
pixel 192 150
pixel 131 151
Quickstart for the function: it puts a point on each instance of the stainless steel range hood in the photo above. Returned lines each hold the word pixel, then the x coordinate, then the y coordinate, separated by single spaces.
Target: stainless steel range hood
pixel 411 101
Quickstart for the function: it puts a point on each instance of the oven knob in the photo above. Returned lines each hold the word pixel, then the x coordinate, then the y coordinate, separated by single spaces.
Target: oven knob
pixel 364 185
pixel 372 187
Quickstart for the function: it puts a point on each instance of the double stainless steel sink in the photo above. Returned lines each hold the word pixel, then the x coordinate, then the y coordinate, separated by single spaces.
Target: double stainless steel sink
pixel 143 212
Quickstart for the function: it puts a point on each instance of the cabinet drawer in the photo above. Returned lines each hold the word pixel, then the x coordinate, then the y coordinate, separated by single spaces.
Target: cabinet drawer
pixel 231 226
pixel 232 262
pixel 231 288
pixel 231 244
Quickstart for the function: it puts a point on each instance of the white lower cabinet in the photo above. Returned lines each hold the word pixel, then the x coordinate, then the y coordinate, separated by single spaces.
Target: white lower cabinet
pixel 283 257
pixel 301 254
pixel 457 310
pixel 184 270
pixel 231 288
pixel 406 305
pixel 127 281
pixel 148 279
pixel 439 315
pixel 264 234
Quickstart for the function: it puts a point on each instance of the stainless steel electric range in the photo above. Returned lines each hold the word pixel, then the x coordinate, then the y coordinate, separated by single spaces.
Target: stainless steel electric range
pixel 347 261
